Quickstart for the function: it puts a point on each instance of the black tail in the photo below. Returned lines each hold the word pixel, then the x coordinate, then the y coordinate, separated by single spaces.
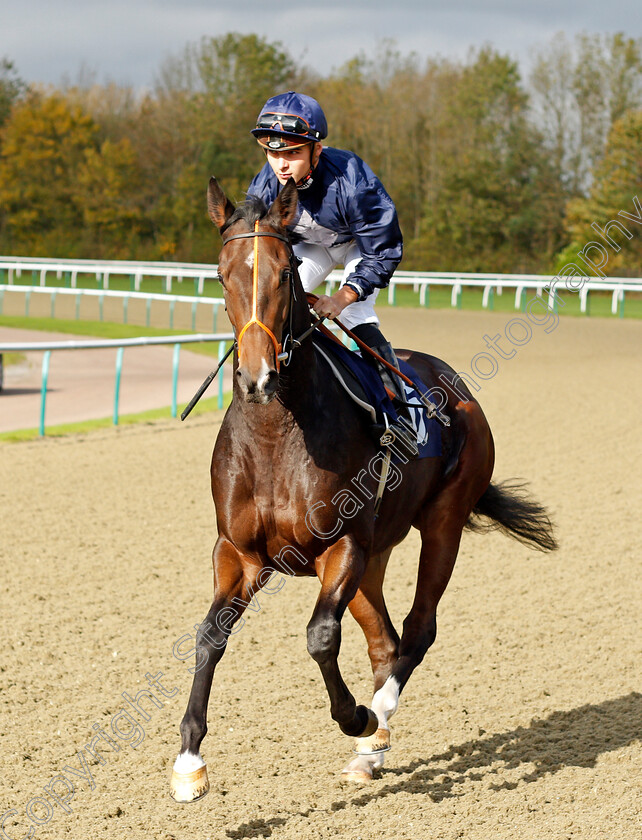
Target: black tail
pixel 510 510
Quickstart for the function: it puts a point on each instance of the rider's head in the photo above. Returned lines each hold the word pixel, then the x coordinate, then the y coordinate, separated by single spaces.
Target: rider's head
pixel 290 128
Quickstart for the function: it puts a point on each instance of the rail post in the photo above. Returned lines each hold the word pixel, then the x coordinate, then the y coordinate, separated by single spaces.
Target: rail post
pixel 175 359
pixel 43 391
pixel 119 370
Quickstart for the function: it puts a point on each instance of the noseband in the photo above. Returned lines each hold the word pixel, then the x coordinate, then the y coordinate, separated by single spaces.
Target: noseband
pixel 279 355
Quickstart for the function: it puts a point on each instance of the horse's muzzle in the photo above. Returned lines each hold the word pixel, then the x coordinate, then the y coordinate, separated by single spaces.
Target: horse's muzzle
pixel 261 390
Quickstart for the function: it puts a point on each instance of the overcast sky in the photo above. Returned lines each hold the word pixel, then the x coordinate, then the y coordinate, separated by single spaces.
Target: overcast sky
pixel 125 41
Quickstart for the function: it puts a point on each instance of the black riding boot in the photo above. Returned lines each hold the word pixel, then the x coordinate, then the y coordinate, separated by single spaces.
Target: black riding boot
pixel 403 430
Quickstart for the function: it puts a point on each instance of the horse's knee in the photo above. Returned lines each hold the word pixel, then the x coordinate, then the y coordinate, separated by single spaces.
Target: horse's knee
pixel 324 639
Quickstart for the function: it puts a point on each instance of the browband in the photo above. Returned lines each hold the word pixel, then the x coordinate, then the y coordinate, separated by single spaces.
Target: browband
pixel 252 233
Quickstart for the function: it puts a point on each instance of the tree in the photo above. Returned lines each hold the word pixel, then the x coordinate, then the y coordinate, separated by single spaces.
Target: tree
pixel 226 81
pixel 44 141
pixel 617 179
pixel 108 193
pixel 494 204
pixel 11 88
pixel 579 91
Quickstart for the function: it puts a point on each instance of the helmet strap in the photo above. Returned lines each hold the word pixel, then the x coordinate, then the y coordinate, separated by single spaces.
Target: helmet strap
pixel 306 182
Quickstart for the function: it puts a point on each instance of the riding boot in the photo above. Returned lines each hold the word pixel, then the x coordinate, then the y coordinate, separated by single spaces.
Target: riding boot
pixel 402 430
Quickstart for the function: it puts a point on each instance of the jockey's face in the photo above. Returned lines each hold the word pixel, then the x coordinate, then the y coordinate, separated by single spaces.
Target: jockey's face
pixel 294 163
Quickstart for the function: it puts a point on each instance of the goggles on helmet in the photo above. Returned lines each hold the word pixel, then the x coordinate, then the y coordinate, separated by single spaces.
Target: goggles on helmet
pixel 286 122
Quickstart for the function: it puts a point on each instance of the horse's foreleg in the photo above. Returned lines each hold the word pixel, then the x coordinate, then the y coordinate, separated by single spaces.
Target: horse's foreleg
pixel 369 609
pixel 189 778
pixel 340 569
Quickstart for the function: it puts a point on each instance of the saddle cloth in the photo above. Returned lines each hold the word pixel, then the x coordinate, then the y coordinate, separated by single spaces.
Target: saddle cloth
pixel 363 383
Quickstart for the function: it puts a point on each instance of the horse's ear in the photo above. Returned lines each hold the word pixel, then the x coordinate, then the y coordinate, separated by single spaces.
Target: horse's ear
pixel 283 212
pixel 219 206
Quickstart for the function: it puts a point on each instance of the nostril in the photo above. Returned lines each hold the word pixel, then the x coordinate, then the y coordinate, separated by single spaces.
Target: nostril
pixel 244 380
pixel 271 382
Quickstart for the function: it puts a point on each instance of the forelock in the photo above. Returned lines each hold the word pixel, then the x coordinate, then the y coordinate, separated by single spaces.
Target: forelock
pixel 252 210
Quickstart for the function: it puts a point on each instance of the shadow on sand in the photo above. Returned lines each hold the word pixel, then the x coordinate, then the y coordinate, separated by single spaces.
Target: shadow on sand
pixel 564 739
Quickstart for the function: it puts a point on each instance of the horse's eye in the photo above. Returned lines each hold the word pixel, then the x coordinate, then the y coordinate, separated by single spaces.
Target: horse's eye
pixel 219 277
pixel 286 276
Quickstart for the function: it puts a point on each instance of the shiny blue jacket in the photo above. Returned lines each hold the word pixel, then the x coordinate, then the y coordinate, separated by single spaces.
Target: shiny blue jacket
pixel 345 202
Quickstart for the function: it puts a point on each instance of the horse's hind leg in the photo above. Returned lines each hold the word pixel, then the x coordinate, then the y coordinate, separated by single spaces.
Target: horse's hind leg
pixel 368 607
pixel 441 525
pixel 232 590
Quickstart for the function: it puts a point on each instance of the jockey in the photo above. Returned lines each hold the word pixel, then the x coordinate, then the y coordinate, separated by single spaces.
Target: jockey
pixel 345 217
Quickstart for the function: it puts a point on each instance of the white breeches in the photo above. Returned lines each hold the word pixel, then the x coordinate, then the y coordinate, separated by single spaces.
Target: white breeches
pixel 319 261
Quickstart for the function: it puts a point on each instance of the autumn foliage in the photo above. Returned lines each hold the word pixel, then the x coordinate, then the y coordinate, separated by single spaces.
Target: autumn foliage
pixel 489 172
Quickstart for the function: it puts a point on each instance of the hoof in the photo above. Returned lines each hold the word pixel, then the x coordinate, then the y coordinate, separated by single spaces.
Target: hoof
pixel 188 787
pixel 358 777
pixel 361 770
pixel 364 723
pixel 375 744
pixel 371 726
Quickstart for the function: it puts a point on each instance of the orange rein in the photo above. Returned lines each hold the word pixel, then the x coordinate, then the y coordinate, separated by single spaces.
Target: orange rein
pixel 254 319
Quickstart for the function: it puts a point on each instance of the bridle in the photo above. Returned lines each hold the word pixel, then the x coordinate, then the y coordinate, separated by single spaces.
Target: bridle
pixel 284 356
pixel 279 353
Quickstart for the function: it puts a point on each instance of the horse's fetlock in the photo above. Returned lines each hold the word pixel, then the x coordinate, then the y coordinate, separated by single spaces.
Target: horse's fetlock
pixel 193 730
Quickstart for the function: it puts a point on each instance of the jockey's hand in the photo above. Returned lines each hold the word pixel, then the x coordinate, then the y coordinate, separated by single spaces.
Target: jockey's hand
pixel 330 306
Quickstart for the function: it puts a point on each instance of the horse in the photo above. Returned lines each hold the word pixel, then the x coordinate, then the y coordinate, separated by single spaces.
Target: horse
pixel 291 477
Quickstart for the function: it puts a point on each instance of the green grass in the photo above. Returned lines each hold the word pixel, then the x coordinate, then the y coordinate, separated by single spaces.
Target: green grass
pixel 204 406
pixel 121 283
pixel 104 329
pixel 13 358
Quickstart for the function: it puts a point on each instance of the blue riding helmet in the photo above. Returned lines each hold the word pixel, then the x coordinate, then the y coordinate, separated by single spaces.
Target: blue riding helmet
pixel 289 117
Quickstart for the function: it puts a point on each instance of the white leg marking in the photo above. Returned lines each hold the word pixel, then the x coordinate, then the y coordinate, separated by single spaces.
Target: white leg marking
pixel 385 701
pixel 384 705
pixel 187 762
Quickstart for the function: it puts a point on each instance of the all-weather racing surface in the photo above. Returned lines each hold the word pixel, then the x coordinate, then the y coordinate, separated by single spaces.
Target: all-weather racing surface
pixel 523 721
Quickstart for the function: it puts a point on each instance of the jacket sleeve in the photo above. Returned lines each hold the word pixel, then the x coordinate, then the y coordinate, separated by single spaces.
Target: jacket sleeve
pixel 372 219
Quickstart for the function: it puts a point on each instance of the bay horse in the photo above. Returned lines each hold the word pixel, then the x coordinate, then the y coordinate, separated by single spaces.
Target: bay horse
pixel 290 487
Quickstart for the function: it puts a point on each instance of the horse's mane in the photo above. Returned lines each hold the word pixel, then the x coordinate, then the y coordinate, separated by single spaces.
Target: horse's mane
pixel 252 210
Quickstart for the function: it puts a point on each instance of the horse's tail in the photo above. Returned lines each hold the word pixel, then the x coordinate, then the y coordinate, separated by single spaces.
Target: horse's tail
pixel 510 510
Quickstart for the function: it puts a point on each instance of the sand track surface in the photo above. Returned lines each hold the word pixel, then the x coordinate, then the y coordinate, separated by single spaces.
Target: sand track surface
pixel 522 723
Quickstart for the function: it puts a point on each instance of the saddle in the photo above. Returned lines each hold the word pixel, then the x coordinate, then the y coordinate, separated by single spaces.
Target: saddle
pixel 362 383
